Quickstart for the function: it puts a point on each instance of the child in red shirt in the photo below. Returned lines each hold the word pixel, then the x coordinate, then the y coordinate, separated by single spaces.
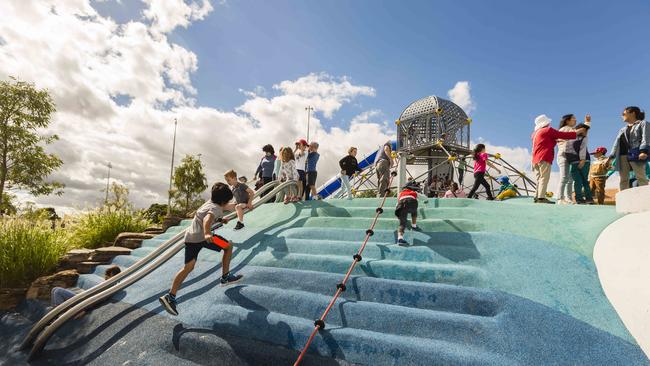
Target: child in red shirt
pixel 407 203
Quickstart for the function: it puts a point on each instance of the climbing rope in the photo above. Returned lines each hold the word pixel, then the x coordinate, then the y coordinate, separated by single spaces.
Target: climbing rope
pixel 340 287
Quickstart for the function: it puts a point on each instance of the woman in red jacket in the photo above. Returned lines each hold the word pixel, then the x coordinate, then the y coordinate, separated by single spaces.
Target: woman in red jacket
pixel 544 140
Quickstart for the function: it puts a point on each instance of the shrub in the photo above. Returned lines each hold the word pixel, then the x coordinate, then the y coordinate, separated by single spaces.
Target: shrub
pixel 97 228
pixel 28 249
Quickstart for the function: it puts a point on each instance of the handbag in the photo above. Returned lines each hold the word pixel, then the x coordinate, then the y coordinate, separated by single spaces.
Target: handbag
pixel 633 154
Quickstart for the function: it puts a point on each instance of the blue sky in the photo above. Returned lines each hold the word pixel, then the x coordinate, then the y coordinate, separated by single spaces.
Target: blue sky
pixel 521 58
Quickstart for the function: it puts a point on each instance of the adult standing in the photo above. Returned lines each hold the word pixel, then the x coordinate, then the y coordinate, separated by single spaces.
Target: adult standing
pixel 383 163
pixel 544 139
pixel 631 147
pixel 267 164
pixel 349 166
pixel 300 154
pixel 565 190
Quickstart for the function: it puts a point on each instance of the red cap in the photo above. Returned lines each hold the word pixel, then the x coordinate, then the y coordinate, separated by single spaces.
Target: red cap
pixel 600 149
pixel 302 142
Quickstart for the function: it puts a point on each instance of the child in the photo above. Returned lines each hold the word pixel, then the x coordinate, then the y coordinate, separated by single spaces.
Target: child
pixel 598 173
pixel 243 179
pixel 243 197
pixel 300 156
pixel 288 172
pixel 198 236
pixel 480 167
pixel 278 165
pixel 312 159
pixel 455 192
pixel 507 189
pixel 407 203
pixel 578 158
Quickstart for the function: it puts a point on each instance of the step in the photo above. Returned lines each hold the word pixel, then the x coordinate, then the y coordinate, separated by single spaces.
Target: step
pixel 404 321
pixel 424 212
pixel 453 251
pixel 386 236
pixel 455 274
pixel 353 345
pixel 387 223
pixel 392 202
pixel 420 295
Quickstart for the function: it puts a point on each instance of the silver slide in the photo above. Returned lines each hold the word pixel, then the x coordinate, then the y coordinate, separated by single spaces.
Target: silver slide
pixel 125 278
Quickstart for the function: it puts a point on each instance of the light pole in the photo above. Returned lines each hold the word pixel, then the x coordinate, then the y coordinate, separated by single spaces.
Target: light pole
pixel 309 109
pixel 171 173
pixel 108 179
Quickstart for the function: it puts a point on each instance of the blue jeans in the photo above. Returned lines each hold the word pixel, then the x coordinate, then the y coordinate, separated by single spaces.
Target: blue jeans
pixel 581 182
pixel 59 295
pixel 345 183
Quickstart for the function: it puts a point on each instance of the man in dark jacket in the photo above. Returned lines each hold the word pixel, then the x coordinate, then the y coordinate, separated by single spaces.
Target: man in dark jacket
pixel 349 167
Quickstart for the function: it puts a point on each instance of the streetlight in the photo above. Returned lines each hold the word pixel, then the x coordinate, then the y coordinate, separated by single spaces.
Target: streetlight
pixel 171 173
pixel 108 179
pixel 309 109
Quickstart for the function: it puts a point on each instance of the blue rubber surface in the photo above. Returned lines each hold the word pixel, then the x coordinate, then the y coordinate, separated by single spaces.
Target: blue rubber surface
pixel 483 283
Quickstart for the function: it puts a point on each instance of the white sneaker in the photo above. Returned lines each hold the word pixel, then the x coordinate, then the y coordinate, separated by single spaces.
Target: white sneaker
pixel 562 202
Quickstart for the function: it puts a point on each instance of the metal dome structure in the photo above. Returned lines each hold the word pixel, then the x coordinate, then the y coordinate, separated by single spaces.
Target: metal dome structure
pixel 429 121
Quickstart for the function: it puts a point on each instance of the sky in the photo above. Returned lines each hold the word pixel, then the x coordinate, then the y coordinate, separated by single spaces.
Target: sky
pixel 238 73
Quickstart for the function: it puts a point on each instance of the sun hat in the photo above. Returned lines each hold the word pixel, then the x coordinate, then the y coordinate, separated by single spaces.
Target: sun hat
pixel 503 180
pixel 542 121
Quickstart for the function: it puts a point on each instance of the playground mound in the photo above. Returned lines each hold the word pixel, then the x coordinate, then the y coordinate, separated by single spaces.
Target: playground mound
pixel 497 283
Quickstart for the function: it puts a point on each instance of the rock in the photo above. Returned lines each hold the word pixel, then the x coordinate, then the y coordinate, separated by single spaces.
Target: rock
pixel 154 230
pixel 88 267
pixel 170 221
pixel 107 254
pixel 131 240
pixel 72 258
pixel 11 297
pixel 42 287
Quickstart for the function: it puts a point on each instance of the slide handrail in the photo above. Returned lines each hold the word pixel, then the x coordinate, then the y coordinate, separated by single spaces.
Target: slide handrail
pixel 42 339
pixel 41 324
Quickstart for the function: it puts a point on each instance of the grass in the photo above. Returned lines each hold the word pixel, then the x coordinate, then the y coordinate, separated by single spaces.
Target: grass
pixel 28 250
pixel 100 228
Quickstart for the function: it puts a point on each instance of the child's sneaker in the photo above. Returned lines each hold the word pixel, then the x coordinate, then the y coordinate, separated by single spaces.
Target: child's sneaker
pixel 229 278
pixel 169 303
pixel 402 242
pixel 239 225
pixel 415 228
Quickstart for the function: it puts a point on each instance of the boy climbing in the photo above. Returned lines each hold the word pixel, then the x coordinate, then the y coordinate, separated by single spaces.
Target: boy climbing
pixel 507 189
pixel 407 203
pixel 243 196
pixel 199 236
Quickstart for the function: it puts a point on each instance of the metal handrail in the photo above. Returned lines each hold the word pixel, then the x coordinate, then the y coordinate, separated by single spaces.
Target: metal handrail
pixel 41 324
pixel 42 339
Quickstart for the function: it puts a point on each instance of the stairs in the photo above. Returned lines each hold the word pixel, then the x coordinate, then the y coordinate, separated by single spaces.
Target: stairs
pixel 463 293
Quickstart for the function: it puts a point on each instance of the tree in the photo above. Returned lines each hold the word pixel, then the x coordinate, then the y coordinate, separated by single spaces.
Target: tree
pixel 7 206
pixel 118 197
pixel 24 164
pixel 189 183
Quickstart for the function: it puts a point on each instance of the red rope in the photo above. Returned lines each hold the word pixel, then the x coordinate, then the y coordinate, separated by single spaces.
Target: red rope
pixel 340 287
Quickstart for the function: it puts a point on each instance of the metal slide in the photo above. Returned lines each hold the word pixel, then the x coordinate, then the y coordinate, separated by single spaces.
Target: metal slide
pixel 334 184
pixel 125 278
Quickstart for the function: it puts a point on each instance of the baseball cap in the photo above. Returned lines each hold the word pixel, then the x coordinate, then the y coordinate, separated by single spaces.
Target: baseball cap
pixel 600 149
pixel 302 142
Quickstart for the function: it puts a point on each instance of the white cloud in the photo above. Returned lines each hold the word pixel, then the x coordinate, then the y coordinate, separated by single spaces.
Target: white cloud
pixel 84 59
pixel 461 95
pixel 166 15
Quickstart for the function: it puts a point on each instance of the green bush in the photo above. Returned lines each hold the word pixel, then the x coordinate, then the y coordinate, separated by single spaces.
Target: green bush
pixel 100 227
pixel 28 249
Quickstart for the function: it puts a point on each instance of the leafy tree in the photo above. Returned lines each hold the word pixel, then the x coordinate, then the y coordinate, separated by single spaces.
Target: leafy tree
pixel 7 206
pixel 189 183
pixel 24 164
pixel 118 198
pixel 156 212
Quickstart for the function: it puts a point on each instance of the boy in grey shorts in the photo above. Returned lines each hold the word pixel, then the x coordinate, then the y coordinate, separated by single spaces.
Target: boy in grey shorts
pixel 243 196
pixel 199 236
